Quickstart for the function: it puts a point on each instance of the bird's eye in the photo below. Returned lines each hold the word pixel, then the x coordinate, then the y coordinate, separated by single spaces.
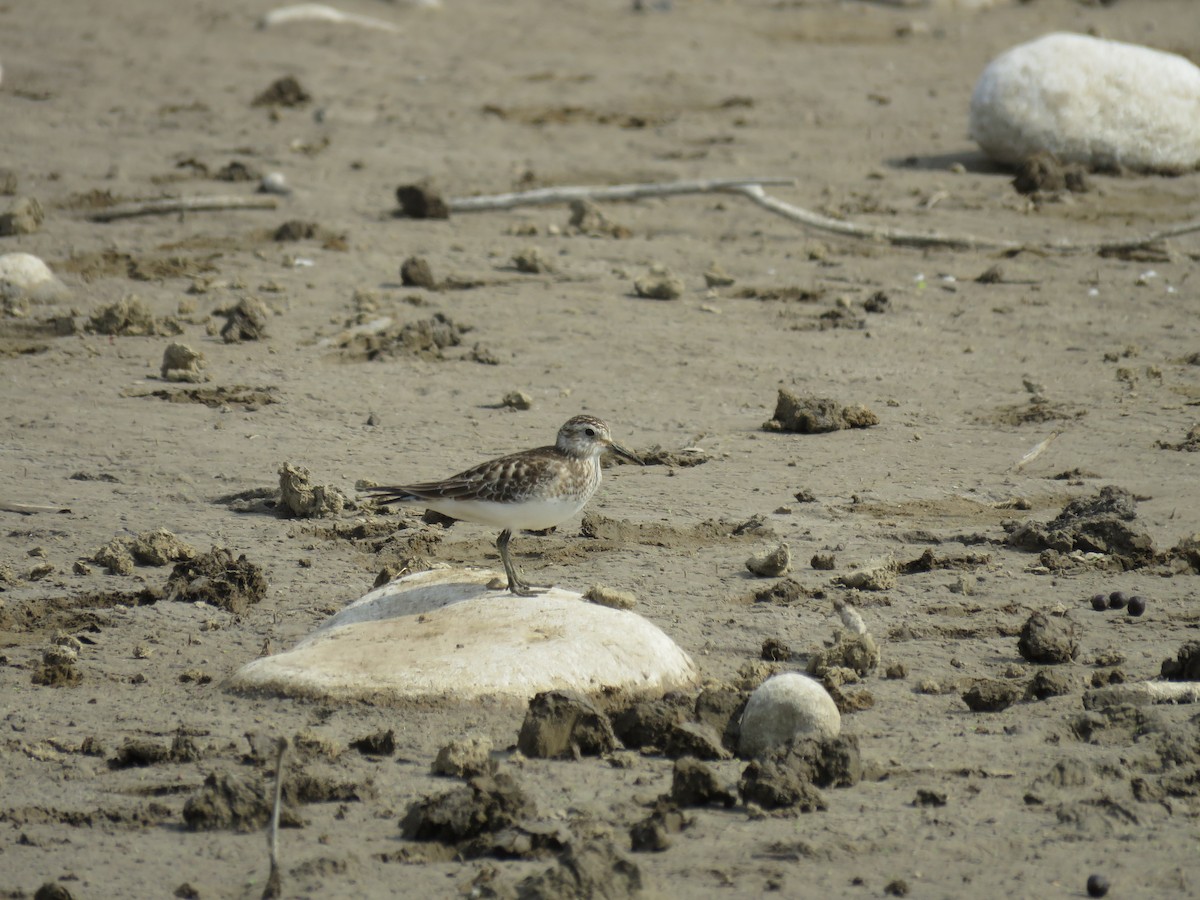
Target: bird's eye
pixel 590 432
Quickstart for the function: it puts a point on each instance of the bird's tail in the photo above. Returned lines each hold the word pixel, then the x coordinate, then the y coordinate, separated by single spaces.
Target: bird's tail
pixel 392 494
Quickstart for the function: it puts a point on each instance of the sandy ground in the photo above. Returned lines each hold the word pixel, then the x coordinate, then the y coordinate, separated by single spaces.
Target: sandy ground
pixel 865 106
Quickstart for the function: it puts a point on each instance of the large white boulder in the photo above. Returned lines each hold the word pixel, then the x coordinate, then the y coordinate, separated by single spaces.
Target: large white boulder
pixel 443 636
pixel 784 707
pixel 24 276
pixel 1091 101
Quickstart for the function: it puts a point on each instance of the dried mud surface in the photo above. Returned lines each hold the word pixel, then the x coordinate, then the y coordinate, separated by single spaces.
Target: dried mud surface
pixel 128 770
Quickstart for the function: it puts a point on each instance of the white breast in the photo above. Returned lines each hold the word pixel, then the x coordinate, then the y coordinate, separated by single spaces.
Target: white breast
pixel 532 514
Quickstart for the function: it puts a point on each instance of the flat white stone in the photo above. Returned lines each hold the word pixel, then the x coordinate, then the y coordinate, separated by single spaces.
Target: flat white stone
pixel 443 636
pixel 784 707
pixel 1091 101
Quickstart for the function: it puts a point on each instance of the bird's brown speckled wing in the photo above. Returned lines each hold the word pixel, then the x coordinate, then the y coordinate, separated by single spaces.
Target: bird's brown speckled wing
pixel 498 480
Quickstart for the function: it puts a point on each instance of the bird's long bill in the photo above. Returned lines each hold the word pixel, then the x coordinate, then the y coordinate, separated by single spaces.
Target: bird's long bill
pixel 625 452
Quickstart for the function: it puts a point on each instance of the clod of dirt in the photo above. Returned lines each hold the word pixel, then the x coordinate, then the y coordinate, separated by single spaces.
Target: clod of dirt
pixel 150 548
pixel 588 219
pixel 421 201
pixel 58 668
pixel 592 870
pixel 564 725
pixel 236 171
pixel 416 272
pixel 1186 554
pixel 285 92
pixel 721 708
pixel 929 798
pixel 1043 173
pixel 1190 444
pixel 296 230
pixel 486 804
pixel 775 650
pixel 858 652
pixel 465 758
pixel 771 784
pixel 1098 524
pixel 659 283
pixel 301 499
pixel 115 557
pixel 880 576
pixel 816 415
pixel 130 317
pixel 877 303
pixel 424 339
pixel 230 802
pixel 782 593
pixel 648 723
pixel 695 784
pixel 715 276
pixel 1186 664
pixel 382 743
pixel 219 580
pixel 181 363
pixel 247 321
pixel 531 261
pixel 602 595
pixel 771 564
pixel 1047 641
pixel 694 739
pixel 517 400
pixel 653 833
pixel 1050 683
pixel 989 695
pixel 139 754
pixel 23 216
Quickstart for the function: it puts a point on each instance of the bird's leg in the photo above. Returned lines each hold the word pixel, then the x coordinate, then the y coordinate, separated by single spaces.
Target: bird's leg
pixel 516 584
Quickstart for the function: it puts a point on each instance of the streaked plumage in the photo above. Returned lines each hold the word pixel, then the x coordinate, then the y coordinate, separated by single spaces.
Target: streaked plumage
pixel 532 490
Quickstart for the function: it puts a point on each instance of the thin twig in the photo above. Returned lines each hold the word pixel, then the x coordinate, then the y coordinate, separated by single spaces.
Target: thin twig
pixel 936 239
pixel 168 205
pixel 1037 450
pixel 274 887
pixel 543 196
pixel 28 508
pixel 1142 693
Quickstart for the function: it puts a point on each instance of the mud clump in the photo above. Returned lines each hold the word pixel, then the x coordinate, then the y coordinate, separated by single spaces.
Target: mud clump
pixel 181 363
pixel 382 743
pixel 1047 641
pixel 695 784
pixel 1048 683
pixel 1098 524
pixel 464 758
pixel 588 219
pixel 771 564
pixel 421 201
pixel 989 695
pixel 301 499
pixel 1186 664
pixel 772 785
pixel 564 725
pixel 58 668
pixel 1044 174
pixel 591 869
pixel 659 284
pixel 482 818
pixel 218 579
pixel 416 272
pixel 130 317
pixel 858 652
pixel 285 92
pixel 247 321
pixel 816 415
pixel 653 833
pixel 424 339
pixel 149 548
pixel 788 776
pixel 228 802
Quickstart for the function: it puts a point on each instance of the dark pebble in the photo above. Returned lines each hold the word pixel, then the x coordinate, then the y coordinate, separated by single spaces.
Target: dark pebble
pixel 1097 886
pixel 1117 600
pixel 1099 602
pixel 1137 605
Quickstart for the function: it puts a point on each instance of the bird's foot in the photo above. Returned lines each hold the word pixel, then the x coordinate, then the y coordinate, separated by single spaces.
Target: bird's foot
pixel 524 589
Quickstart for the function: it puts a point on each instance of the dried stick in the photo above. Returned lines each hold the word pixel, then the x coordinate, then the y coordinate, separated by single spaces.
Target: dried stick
pixel 1143 693
pixel 936 239
pixel 168 205
pixel 29 508
pixel 614 192
pixel 274 887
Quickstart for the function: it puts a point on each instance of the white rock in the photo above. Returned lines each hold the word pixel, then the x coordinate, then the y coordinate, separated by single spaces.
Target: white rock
pixel 444 636
pixel 24 275
pixel 784 707
pixel 1090 101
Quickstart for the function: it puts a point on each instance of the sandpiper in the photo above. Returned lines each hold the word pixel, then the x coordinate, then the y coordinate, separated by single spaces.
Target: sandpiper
pixel 531 490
